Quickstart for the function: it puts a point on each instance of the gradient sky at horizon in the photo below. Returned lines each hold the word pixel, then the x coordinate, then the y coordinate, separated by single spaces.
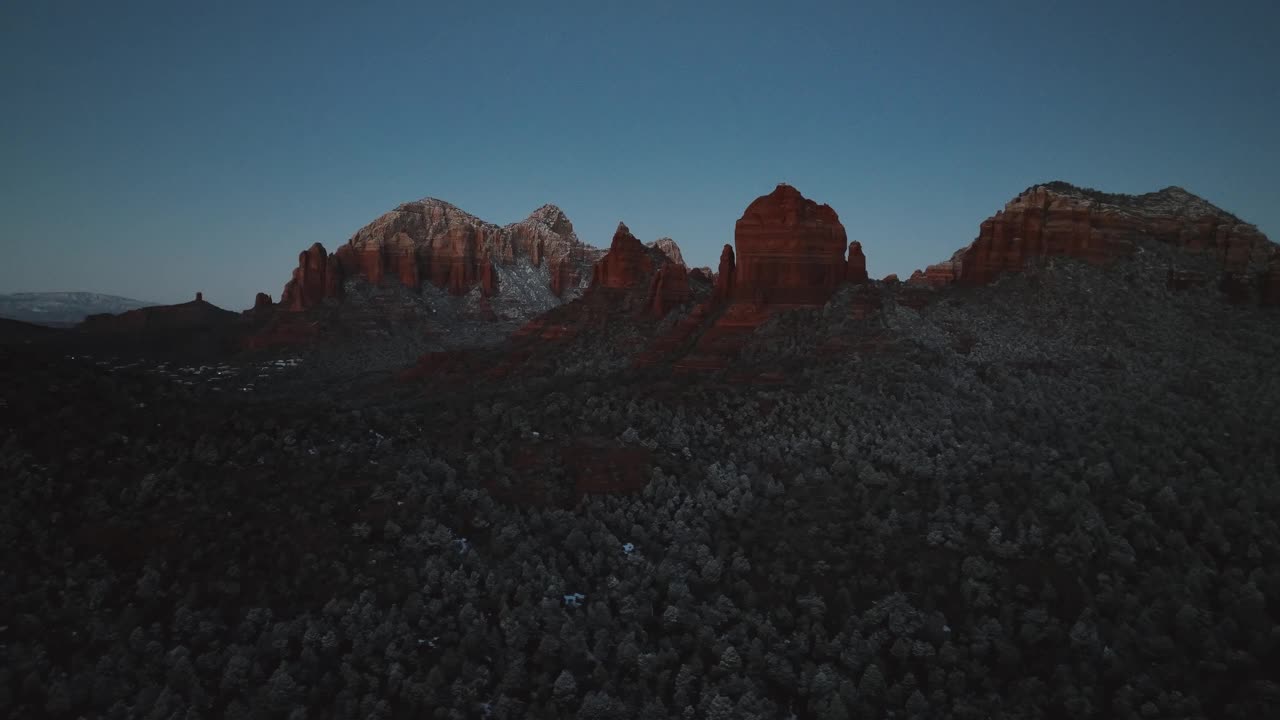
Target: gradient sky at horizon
pixel 153 149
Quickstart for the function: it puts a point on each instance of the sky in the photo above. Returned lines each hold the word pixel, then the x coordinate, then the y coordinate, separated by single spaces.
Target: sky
pixel 156 149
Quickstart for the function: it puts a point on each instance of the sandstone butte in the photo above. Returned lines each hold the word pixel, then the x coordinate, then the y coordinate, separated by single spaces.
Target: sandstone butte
pixel 1059 219
pixel 790 252
pixel 432 241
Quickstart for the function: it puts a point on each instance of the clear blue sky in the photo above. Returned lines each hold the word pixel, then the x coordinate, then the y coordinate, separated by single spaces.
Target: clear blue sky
pixel 152 149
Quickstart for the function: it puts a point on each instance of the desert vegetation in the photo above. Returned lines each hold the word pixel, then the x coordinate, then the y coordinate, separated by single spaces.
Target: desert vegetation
pixel 1052 497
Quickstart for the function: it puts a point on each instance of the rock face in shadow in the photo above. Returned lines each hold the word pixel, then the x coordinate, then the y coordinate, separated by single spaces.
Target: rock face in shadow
pixel 790 250
pixel 197 328
pixel 1061 220
pixel 723 290
pixel 194 315
pixel 668 290
pixel 318 276
pixel 856 269
pixel 633 280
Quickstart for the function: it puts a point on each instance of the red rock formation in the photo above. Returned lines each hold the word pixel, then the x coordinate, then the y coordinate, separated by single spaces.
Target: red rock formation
pixel 1062 220
pixel 790 250
pixel 702 275
pixel 856 270
pixel 433 241
pixel 261 301
pixel 318 276
pixel 917 278
pixel 941 274
pixel 724 286
pixel 668 289
pixel 668 247
pixel 626 265
pixel 562 276
pixel 891 279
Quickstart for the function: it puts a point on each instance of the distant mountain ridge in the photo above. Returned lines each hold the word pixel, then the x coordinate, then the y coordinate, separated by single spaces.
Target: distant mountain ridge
pixel 63 308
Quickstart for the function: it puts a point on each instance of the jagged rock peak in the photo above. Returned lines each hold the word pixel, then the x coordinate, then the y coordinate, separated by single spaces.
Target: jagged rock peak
pixel 627 264
pixel 552 218
pixel 434 241
pixel 668 247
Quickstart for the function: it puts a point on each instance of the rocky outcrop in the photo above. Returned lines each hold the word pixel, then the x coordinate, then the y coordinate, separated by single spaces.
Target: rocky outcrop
pixel 940 275
pixel 261 302
pixel 432 241
pixel 1061 220
pixel 668 290
pixel 628 264
pixel 790 250
pixel 668 247
pixel 856 267
pixel 723 290
pixel 318 276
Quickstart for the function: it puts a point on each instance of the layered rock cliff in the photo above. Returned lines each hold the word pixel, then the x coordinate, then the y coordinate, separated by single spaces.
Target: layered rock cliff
pixel 1059 219
pixel 790 250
